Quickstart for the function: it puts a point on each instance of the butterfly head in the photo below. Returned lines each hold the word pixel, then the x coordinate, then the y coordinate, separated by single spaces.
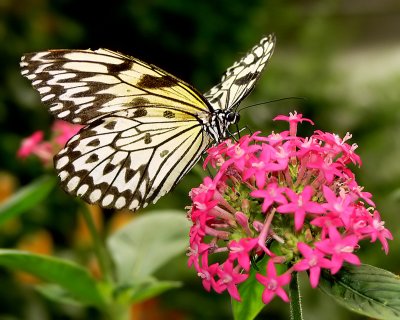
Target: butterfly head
pixel 232 117
pixel 218 126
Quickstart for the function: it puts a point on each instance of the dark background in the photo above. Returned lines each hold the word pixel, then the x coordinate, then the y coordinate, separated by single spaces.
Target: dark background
pixel 342 56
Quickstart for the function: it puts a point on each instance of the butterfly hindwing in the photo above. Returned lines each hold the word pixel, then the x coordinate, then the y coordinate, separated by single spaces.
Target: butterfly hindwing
pixel 239 80
pixel 81 85
pixel 122 161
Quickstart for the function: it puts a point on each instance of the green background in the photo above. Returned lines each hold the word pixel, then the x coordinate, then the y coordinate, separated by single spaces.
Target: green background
pixel 342 56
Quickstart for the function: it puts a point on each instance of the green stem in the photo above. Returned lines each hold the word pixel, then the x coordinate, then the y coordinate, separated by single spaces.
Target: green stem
pixel 296 312
pixel 105 261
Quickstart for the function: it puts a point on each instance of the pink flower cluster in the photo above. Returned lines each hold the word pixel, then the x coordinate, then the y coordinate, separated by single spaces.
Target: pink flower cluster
pixel 295 192
pixel 35 145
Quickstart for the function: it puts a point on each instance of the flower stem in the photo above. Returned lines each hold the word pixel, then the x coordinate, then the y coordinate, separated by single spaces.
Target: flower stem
pixel 296 312
pixel 104 259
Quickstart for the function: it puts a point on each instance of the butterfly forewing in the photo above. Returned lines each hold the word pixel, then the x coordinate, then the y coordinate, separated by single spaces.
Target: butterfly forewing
pixel 81 85
pixel 144 126
pixel 239 80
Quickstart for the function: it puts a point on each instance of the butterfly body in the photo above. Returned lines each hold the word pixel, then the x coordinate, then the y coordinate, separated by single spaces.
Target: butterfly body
pixel 144 129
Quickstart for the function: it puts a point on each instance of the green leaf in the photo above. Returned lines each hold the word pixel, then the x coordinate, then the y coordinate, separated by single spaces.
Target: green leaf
pixel 57 294
pixel 367 290
pixel 148 242
pixel 250 292
pixel 71 277
pixel 26 198
pixel 144 290
pixel 152 289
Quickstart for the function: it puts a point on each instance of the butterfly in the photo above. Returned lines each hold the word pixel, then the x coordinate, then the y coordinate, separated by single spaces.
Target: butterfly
pixel 144 129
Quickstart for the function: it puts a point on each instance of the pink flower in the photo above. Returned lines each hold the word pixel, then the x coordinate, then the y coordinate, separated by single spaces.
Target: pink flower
pixel 207 273
pixel 260 166
pixel 45 150
pixel 241 250
pixel 313 261
pixel 29 144
pixel 328 168
pixel 64 131
pixel 229 279
pixel 197 249
pixel 300 205
pixel 326 221
pixel 272 194
pixel 273 284
pixel 34 145
pixel 377 230
pixel 263 187
pixel 238 153
pixel 340 248
pixel 341 206
pixel 293 120
pixel 274 138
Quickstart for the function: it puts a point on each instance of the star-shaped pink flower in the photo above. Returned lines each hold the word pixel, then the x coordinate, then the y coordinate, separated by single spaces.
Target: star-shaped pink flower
pixel 313 260
pixel 300 205
pixel 272 194
pixel 273 283
pixel 341 249
pixel 230 277
pixel 241 250
pixel 341 205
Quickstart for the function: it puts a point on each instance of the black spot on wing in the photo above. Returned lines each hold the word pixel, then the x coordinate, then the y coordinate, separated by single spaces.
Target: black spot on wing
pixel 94 143
pixel 129 174
pixel 110 125
pixel 216 97
pixel 115 68
pixel 163 153
pixel 147 138
pixel 93 158
pixel 151 82
pixel 243 80
pixel 108 168
pixel 139 102
pixel 168 114
pixel 140 112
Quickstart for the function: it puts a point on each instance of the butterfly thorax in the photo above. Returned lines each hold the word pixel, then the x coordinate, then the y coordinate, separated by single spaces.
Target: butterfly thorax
pixel 217 126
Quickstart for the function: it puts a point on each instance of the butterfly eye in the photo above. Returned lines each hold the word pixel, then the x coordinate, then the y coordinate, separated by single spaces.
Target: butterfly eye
pixel 233 117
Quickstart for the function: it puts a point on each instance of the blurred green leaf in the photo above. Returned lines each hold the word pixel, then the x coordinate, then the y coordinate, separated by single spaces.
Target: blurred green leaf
pixel 58 294
pixel 73 278
pixel 146 289
pixel 148 242
pixel 367 290
pixel 26 198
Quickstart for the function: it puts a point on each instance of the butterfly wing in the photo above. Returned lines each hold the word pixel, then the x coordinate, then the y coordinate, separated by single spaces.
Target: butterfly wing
pixel 144 127
pixel 80 86
pixel 239 80
pixel 125 160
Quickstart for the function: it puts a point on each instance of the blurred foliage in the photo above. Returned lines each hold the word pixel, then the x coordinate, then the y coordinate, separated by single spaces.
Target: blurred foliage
pixel 341 56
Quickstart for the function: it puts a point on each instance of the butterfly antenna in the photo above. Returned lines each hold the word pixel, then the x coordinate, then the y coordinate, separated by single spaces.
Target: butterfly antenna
pixel 232 135
pixel 266 102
